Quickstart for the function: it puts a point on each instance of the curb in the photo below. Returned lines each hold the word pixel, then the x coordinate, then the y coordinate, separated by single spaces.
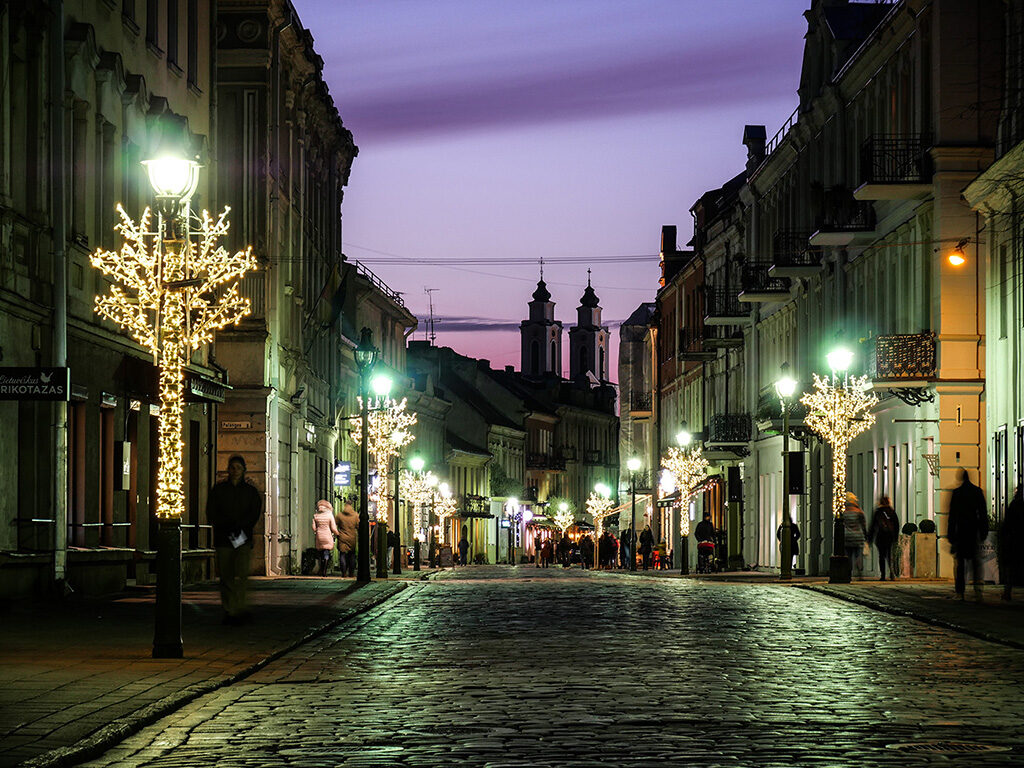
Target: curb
pixel 110 735
pixel 941 623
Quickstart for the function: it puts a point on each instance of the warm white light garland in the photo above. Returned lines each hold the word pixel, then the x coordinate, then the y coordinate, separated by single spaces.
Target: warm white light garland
pixel 689 471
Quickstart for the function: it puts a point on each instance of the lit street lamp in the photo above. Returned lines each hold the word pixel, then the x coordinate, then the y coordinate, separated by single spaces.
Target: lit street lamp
pixel 177 288
pixel 688 469
pixel 839 411
pixel 598 505
pixel 398 438
pixel 633 465
pixel 784 388
pixel 366 355
pixel 514 516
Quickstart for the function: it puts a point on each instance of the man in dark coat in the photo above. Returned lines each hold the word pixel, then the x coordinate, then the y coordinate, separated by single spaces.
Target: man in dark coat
pixel 586 551
pixel 646 545
pixel 885 527
pixel 968 527
pixel 794 539
pixel 233 508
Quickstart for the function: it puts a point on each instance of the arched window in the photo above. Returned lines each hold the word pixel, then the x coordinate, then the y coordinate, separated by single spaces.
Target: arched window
pixel 554 357
pixel 534 357
pixel 600 371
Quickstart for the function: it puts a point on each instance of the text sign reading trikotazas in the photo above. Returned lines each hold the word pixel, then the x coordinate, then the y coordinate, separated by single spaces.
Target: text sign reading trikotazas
pixel 35 383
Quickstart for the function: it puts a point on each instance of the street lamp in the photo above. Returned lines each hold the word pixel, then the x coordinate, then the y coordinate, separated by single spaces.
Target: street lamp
pixel 839 412
pixel 178 286
pixel 512 512
pixel 416 464
pixel 784 388
pixel 398 439
pixel 366 356
pixel 633 465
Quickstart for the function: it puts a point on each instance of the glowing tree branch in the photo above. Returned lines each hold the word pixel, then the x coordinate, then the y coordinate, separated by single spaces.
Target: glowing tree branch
pixel 839 412
pixel 171 294
pixel 689 471
pixel 390 431
pixel 599 507
pixel 564 518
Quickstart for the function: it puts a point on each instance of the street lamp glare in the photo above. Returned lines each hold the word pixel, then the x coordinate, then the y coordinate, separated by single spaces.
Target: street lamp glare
pixel 416 463
pixel 683 438
pixel 603 489
pixel 563 507
pixel 634 464
pixel 512 503
pixel 431 480
pixel 785 387
pixel 173 177
pixel 839 359
pixel 381 385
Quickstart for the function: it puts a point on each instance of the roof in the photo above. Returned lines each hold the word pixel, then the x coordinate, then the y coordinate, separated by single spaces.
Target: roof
pixel 854 21
pixel 642 315
pixel 462 389
pixel 459 444
pixel 542 293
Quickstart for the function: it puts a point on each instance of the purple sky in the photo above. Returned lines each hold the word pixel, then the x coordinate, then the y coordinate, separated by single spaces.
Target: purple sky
pixel 490 129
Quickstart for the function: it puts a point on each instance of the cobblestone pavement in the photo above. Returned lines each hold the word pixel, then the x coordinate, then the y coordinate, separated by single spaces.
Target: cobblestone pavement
pixel 512 667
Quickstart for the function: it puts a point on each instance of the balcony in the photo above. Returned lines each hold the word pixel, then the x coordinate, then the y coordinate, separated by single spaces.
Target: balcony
pixel 691 346
pixel 717 337
pixel 792 256
pixel 640 402
pixel 475 506
pixel 895 167
pixel 903 360
pixel 729 429
pixel 722 307
pixel 768 416
pixel 844 220
pixel 547 461
pixel 756 285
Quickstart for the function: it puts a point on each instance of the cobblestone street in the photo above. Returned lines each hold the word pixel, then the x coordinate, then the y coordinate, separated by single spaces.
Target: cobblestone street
pixel 501 667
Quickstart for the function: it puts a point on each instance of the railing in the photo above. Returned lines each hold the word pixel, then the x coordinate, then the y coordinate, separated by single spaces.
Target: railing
pixel 475 506
pixel 769 407
pixel 723 302
pixel 895 159
pixel 904 356
pixel 715 336
pixel 544 461
pixel 790 249
pixel 780 134
pixel 842 213
pixel 690 340
pixel 640 401
pixel 755 279
pixel 379 284
pixel 729 428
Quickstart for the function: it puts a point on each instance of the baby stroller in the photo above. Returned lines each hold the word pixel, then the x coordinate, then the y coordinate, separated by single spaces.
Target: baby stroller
pixel 706 557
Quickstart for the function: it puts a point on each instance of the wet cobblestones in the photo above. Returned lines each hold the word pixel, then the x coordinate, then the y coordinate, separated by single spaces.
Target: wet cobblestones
pixel 492 667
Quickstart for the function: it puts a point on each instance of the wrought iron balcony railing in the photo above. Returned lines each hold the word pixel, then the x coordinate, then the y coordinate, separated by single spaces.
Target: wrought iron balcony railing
pixel 545 461
pixel 756 284
pixel 903 357
pixel 729 428
pixel 721 303
pixel 718 337
pixel 792 256
pixel 896 159
pixel 769 408
pixel 640 401
pixel 845 214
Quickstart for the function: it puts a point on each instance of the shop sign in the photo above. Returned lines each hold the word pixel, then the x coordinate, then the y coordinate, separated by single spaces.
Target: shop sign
pixel 342 474
pixel 35 383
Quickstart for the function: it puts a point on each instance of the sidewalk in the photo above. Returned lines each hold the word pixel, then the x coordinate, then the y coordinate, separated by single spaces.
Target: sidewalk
pixel 76 676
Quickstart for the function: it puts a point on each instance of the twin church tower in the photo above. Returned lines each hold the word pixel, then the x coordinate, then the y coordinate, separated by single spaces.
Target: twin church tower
pixel 542 338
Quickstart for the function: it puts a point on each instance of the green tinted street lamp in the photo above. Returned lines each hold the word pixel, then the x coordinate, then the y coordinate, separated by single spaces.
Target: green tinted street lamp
pixel 784 388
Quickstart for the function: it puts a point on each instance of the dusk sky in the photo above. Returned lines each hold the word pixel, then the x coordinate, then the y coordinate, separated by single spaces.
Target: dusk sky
pixel 503 132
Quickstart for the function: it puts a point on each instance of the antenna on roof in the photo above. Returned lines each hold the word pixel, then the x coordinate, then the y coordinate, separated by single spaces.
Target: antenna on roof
pixel 429 330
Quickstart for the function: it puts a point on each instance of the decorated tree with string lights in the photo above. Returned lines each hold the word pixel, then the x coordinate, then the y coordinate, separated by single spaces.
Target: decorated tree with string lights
pixel 689 471
pixel 564 515
pixel 839 412
pixel 173 286
pixel 390 431
pixel 599 506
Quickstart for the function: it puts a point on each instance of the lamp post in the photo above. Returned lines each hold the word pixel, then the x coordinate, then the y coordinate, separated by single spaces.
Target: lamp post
pixel 784 388
pixel 512 512
pixel 839 411
pixel 432 482
pixel 176 289
pixel 633 465
pixel 366 356
pixel 416 464
pixel 683 440
pixel 398 438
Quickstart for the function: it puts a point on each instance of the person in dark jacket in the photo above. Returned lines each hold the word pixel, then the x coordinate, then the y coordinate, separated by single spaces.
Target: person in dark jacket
pixel 627 542
pixel 885 527
pixel 233 508
pixel 565 550
pixel 794 538
pixel 1011 545
pixel 464 546
pixel 646 546
pixel 968 527
pixel 586 551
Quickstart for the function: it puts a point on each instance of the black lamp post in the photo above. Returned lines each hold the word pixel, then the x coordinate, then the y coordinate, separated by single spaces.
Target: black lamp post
pixel 784 388
pixel 633 465
pixel 683 440
pixel 366 356
pixel 397 569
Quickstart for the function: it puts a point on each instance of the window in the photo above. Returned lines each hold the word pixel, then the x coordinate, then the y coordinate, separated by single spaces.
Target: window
pixel 1003 306
pixel 76 474
pixel 192 43
pixel 107 535
pixel 1000 477
pixel 172 33
pixel 152 23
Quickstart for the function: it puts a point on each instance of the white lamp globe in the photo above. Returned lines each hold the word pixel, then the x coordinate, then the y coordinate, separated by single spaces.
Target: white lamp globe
pixel 173 177
pixel 839 359
pixel 634 464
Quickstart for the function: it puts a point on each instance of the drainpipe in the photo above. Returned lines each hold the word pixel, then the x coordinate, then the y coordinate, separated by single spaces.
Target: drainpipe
pixel 60 288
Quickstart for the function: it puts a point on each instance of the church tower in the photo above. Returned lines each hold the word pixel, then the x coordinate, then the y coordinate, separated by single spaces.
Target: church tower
pixel 541 335
pixel 588 339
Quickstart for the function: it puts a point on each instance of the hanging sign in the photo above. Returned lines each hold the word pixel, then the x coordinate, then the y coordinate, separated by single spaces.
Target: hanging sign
pixel 35 383
pixel 342 473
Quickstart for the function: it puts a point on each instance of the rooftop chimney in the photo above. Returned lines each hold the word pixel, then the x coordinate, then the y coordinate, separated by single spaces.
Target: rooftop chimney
pixel 754 139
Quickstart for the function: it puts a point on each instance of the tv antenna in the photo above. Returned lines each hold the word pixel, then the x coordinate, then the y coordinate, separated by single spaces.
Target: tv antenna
pixel 429 330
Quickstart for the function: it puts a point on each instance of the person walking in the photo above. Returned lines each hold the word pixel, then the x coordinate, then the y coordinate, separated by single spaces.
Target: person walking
pixel 626 547
pixel 586 551
pixel 885 527
pixel 547 553
pixel 326 531
pixel 391 541
pixel 967 528
pixel 705 534
pixel 646 546
pixel 233 508
pixel 565 550
pixel 1011 545
pixel 856 534
pixel 464 546
pixel 348 530
pixel 794 539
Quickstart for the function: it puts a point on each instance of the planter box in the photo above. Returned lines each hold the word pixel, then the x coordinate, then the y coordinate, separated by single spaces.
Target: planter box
pixel 922 555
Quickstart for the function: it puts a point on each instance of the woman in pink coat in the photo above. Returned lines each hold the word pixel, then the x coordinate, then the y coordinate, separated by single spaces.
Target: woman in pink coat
pixel 326 530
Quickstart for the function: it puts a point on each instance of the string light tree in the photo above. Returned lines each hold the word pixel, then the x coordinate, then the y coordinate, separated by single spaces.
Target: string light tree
pixel 564 517
pixel 686 465
pixel 389 428
pixel 173 287
pixel 599 506
pixel 839 410
pixel 418 487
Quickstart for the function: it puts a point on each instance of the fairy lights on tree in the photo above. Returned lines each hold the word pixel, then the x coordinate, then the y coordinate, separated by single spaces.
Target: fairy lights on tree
pixel 173 288
pixel 564 518
pixel 688 469
pixel 390 431
pixel 839 412
pixel 599 506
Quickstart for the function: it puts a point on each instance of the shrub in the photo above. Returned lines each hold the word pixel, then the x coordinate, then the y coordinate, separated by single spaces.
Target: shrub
pixel 909 528
pixel 927 526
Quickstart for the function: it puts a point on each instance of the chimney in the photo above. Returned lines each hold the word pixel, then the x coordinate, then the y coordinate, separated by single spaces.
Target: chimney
pixel 668 240
pixel 510 369
pixel 754 139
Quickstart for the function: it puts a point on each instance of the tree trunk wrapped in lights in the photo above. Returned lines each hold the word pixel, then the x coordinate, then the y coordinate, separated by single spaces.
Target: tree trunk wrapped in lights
pixel 599 507
pixel 172 292
pixel 839 412
pixel 689 472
